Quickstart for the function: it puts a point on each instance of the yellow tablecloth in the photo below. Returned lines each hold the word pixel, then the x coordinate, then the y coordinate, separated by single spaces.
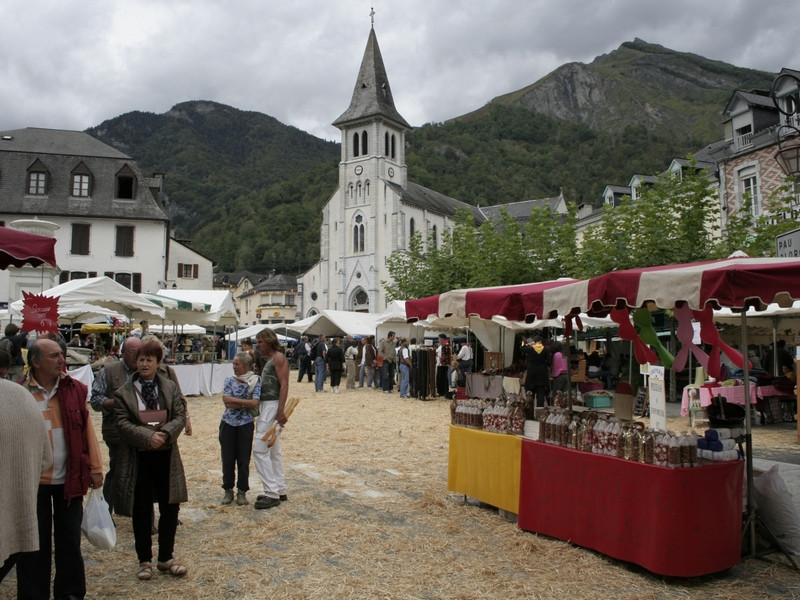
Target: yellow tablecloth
pixel 485 466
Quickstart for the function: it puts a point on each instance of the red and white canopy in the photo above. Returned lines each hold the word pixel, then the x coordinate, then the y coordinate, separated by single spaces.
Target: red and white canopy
pixel 731 283
pixel 513 302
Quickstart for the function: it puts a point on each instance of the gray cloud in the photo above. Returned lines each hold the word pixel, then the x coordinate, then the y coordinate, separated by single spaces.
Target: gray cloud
pixel 72 64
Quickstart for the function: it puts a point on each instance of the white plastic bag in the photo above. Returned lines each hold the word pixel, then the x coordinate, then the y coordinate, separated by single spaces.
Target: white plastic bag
pixel 97 525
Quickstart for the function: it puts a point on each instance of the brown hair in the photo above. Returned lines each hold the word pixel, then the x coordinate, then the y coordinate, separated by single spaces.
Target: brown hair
pixel 152 348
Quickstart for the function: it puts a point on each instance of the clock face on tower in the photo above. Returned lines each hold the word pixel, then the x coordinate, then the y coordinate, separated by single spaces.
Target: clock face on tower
pixel 391 172
pixel 358 170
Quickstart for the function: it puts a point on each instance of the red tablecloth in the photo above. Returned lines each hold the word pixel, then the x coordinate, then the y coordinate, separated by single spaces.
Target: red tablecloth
pixel 675 522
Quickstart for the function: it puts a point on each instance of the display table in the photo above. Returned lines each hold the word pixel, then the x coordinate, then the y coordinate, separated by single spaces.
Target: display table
pixel 675 522
pixel 485 466
pixel 205 379
pixel 732 393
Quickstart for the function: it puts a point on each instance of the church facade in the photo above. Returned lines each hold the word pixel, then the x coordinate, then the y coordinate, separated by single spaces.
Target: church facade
pixel 375 209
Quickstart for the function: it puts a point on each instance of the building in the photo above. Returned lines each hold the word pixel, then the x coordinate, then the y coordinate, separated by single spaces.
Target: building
pixel 108 218
pixel 376 208
pixel 273 300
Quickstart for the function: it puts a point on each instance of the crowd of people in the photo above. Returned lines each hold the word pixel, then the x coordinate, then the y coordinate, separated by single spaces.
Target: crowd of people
pixel 361 362
pixel 53 457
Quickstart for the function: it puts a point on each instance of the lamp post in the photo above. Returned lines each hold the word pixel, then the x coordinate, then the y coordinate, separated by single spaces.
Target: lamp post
pixel 788 154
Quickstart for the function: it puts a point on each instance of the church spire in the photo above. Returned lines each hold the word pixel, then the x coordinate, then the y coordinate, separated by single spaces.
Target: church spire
pixel 372 96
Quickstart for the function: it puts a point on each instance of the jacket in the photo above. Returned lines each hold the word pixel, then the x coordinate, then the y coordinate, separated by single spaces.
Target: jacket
pixel 135 438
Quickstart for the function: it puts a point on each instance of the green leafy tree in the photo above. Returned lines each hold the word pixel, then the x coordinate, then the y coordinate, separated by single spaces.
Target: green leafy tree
pixel 675 220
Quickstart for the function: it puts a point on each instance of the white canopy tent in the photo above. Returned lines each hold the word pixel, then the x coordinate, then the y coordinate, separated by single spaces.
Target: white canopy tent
pixel 221 311
pixel 250 332
pixel 332 323
pixel 100 292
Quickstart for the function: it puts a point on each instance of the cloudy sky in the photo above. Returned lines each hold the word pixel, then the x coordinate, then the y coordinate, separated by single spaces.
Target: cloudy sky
pixel 71 64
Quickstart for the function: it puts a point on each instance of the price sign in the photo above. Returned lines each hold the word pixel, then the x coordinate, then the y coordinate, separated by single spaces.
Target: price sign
pixel 658 397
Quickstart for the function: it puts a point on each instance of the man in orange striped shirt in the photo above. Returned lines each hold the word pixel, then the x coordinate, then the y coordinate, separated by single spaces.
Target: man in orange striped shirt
pixel 77 464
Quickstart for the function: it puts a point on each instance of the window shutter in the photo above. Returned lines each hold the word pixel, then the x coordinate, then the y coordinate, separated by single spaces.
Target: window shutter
pixel 137 283
pixel 195 270
pixel 63 277
pixel 109 274
pixel 92 273
pixel 180 269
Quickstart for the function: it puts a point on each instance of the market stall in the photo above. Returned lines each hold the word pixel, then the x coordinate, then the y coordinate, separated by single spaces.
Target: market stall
pixel 692 291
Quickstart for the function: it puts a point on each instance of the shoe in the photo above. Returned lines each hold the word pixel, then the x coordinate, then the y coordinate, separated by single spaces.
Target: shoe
pixel 173 567
pixel 228 498
pixel 145 571
pixel 264 502
pixel 283 498
pixel 241 498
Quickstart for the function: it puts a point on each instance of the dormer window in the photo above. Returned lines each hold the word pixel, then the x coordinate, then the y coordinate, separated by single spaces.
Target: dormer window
pixel 81 182
pixel 126 184
pixel 37 179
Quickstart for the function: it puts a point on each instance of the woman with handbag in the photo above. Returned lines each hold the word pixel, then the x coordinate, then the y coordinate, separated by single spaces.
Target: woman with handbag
pixel 150 416
pixel 240 394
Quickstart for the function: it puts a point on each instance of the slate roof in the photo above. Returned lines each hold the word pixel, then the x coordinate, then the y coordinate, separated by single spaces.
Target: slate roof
pixel 421 197
pixel 521 211
pixel 372 96
pixel 60 152
pixel 235 277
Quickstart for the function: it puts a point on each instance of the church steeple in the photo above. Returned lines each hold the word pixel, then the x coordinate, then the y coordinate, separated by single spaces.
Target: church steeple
pixel 372 96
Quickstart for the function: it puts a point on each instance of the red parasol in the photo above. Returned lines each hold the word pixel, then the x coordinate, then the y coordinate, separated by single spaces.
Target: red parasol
pixel 19 248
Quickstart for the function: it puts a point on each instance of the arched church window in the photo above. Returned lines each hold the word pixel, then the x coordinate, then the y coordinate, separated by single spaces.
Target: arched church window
pixel 351 191
pixel 411 227
pixel 355 144
pixel 358 189
pixel 366 188
pixel 433 237
pixel 364 144
pixel 386 144
pixel 359 234
pixel 394 152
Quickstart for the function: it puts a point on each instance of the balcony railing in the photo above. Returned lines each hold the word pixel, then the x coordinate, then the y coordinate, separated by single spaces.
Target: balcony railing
pixel 744 140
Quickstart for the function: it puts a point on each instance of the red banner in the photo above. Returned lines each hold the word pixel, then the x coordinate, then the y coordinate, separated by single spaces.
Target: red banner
pixel 40 313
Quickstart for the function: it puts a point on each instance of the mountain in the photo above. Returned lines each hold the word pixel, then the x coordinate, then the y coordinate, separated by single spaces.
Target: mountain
pixel 641 83
pixel 247 190
pixel 212 154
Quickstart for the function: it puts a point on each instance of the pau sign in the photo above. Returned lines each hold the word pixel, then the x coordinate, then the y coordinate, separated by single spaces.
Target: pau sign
pixel 787 244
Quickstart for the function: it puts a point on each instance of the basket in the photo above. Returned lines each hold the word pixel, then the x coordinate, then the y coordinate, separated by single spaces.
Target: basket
pixel 734 415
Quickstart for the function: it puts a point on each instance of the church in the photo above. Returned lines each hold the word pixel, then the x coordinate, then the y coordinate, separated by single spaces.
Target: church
pixel 375 209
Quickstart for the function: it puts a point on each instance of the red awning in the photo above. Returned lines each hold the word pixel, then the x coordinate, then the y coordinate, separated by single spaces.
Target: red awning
pixel 19 248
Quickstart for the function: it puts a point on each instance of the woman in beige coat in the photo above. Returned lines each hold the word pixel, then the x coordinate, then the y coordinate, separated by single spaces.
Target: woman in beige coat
pixel 150 415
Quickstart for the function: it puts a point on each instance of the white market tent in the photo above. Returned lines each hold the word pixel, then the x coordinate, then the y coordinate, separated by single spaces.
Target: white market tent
pixel 250 332
pixel 332 323
pixel 101 292
pixel 221 311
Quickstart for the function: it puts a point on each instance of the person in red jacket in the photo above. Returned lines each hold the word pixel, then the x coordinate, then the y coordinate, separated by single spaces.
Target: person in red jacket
pixel 77 465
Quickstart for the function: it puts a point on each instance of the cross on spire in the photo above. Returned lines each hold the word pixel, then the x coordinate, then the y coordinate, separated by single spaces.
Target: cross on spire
pixel 372 15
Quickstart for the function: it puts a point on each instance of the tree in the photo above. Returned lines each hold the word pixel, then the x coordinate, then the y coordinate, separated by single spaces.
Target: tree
pixel 675 220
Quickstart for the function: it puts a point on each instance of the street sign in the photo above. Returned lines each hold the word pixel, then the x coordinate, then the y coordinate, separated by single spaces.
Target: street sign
pixel 787 244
